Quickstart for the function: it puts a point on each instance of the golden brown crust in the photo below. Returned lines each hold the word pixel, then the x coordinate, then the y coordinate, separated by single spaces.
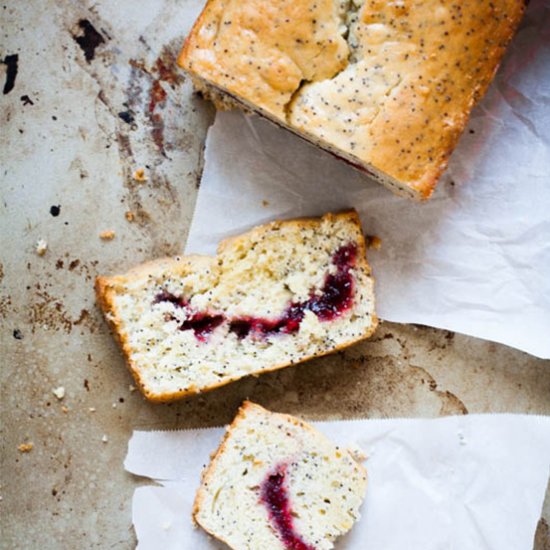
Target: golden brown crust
pixel 435 100
pixel 416 69
pixel 277 44
pixel 104 295
pixel 208 472
pixel 105 288
pixel 193 35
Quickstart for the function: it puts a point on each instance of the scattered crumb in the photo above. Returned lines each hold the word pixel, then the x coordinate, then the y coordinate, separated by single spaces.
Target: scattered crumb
pixel 41 247
pixel 107 235
pixel 104 438
pixel 130 216
pixel 132 388
pixel 65 409
pixel 114 405
pixel 357 453
pixel 265 203
pixel 374 242
pixel 139 175
pixel 25 447
pixel 59 392
pixel 92 409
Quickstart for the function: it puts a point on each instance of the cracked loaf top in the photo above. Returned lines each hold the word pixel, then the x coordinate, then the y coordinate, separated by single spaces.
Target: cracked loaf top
pixel 387 85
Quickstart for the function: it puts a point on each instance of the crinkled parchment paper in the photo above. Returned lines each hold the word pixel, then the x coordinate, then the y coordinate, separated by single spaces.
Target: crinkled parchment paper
pixel 474 482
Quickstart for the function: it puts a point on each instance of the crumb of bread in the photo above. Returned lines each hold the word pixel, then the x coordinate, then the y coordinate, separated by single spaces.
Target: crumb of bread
pixel 92 409
pixel 130 216
pixel 139 175
pixel 374 242
pixel 132 388
pixel 107 235
pixel 41 247
pixel 65 409
pixel 59 392
pixel 357 453
pixel 104 439
pixel 265 203
pixel 25 447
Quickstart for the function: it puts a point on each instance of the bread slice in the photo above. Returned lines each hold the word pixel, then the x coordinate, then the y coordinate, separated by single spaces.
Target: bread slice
pixel 280 294
pixel 277 483
pixel 386 86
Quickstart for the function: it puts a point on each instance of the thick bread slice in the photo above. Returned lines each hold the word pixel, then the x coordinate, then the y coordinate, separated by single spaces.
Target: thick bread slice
pixel 278 295
pixel 386 86
pixel 277 483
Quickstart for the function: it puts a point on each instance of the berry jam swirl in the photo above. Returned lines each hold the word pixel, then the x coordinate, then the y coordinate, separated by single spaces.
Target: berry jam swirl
pixel 274 495
pixel 334 298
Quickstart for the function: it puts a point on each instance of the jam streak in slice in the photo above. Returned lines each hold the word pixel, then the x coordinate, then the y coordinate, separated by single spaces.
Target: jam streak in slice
pixel 335 297
pixel 202 324
pixel 166 296
pixel 274 496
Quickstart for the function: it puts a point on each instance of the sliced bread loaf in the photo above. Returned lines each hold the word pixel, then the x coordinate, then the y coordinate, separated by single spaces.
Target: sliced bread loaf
pixel 277 295
pixel 386 86
pixel 277 483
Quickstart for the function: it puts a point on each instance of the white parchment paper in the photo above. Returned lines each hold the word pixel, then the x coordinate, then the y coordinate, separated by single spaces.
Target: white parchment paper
pixel 475 259
pixel 473 482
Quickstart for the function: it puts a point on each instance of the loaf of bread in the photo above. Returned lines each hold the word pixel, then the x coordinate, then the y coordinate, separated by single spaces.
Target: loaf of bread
pixel 386 86
pixel 276 483
pixel 280 294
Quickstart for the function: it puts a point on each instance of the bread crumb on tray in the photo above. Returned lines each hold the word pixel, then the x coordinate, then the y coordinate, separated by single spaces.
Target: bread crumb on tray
pixel 41 247
pixel 107 235
pixel 25 447
pixel 139 175
pixel 59 392
pixel 374 242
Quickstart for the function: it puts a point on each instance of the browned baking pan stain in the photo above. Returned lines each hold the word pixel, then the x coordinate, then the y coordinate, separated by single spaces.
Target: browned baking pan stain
pixel 12 63
pixel 89 40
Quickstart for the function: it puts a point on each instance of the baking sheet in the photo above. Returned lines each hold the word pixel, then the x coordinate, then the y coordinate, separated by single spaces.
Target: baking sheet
pixel 475 259
pixel 69 148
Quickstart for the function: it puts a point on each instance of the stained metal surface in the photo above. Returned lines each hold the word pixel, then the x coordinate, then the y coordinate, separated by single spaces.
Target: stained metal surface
pixel 90 95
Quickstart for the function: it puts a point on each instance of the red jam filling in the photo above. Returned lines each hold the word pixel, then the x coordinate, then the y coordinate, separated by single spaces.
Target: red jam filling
pixel 335 297
pixel 202 324
pixel 274 495
pixel 165 296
